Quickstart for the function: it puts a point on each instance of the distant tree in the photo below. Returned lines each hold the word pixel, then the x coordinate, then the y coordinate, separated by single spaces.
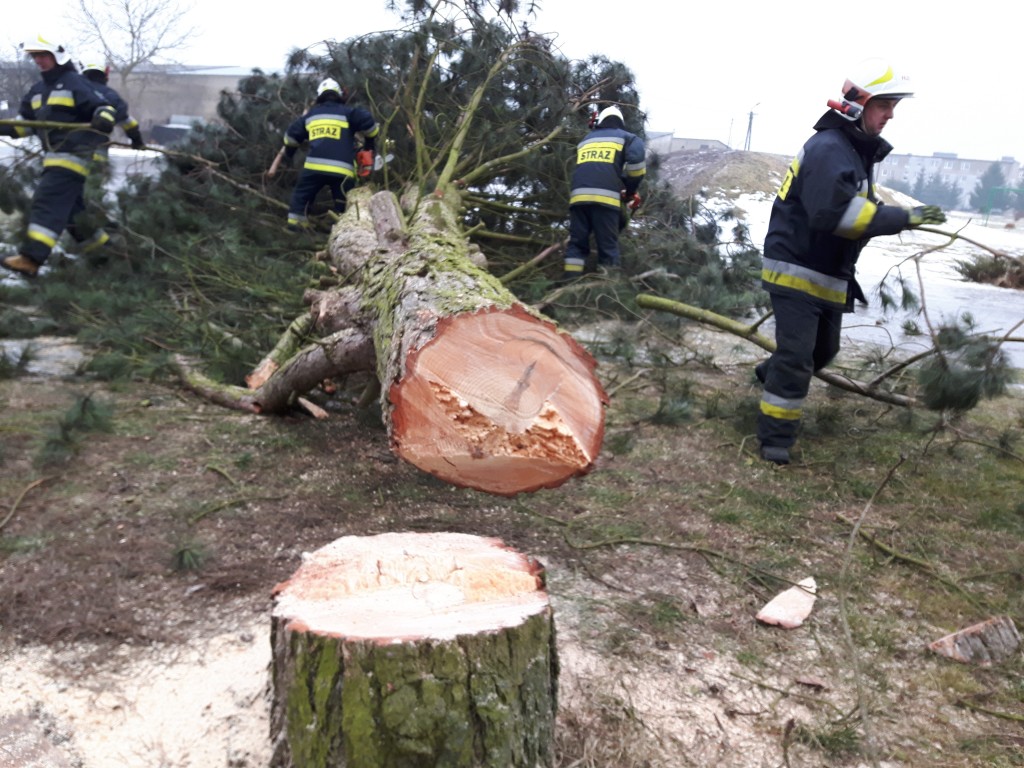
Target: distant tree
pixel 919 185
pixel 936 191
pixel 132 33
pixel 899 185
pixel 17 73
pixel 987 195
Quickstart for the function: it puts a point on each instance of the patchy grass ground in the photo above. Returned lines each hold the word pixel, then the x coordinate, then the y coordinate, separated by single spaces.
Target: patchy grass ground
pixel 141 536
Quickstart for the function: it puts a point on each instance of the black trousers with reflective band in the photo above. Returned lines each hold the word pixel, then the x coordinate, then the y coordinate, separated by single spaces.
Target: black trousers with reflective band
pixel 807 337
pixel 58 199
pixel 601 221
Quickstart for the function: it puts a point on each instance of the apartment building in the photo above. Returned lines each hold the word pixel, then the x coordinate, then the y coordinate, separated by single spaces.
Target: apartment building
pixel 964 172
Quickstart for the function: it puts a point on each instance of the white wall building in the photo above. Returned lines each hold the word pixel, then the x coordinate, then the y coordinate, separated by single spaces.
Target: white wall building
pixel 950 168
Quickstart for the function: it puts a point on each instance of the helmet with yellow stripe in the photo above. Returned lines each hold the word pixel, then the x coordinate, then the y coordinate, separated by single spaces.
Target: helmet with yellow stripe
pixel 872 79
pixel 95 62
pixel 41 45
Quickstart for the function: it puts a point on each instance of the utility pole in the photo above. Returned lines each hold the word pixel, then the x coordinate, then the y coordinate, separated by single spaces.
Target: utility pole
pixel 750 127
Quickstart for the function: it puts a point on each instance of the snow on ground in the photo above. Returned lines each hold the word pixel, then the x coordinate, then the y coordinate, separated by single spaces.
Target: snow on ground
pixel 995 310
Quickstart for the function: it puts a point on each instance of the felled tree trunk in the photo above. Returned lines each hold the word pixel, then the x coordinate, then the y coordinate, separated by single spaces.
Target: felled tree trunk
pixel 476 388
pixel 410 649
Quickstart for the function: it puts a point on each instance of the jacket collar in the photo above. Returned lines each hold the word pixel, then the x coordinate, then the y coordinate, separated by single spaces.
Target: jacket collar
pixel 873 148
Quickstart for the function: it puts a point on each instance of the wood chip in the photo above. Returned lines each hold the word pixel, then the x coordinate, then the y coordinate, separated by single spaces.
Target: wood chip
pixel 789 609
pixel 994 640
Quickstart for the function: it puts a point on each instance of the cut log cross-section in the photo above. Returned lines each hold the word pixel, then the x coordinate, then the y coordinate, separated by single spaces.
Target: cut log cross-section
pixel 497 401
pixel 480 390
pixel 477 388
pixel 413 649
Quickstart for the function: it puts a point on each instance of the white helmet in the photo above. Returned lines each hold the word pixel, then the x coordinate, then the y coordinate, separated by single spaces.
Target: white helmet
pixel 611 111
pixel 875 78
pixel 871 78
pixel 330 84
pixel 94 63
pixel 41 45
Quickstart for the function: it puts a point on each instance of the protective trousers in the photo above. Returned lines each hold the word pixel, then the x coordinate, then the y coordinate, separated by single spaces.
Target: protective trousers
pixel 55 204
pixel 603 222
pixel 807 339
pixel 306 189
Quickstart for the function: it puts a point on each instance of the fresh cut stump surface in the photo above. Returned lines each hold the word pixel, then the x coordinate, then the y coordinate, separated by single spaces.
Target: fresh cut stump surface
pixel 413 649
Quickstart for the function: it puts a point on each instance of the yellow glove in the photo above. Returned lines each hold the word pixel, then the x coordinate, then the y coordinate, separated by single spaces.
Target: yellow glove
pixel 103 119
pixel 925 214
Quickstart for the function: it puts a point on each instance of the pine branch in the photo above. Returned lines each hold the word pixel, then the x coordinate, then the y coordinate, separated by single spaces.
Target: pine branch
pixel 469 112
pixel 749 333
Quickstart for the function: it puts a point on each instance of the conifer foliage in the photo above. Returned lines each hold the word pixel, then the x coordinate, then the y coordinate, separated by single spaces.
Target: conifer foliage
pixel 464 97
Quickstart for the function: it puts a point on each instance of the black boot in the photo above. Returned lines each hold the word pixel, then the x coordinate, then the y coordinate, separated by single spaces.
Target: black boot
pixel 775 454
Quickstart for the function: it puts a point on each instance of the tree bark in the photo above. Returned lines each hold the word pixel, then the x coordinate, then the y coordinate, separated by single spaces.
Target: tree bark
pixel 413 649
pixel 477 388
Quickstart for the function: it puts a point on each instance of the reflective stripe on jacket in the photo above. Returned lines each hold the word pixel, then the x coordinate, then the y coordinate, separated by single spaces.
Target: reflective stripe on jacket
pixel 825 211
pixel 329 128
pixel 64 96
pixel 608 160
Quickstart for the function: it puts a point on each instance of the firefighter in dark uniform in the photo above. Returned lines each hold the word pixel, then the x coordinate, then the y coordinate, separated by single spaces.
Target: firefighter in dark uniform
pixel 62 96
pixel 329 128
pixel 825 212
pixel 610 165
pixel 98 73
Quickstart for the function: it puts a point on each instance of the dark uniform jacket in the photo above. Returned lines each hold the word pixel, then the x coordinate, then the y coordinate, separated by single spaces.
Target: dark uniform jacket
pixel 64 96
pixel 825 212
pixel 128 124
pixel 329 128
pixel 608 160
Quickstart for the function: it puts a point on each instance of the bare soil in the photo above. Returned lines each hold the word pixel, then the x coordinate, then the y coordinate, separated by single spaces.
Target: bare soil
pixel 136 577
pixel 137 563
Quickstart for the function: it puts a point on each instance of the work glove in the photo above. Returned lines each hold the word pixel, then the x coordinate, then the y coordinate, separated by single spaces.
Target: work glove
pixel 925 214
pixel 634 202
pixel 135 137
pixel 364 159
pixel 103 119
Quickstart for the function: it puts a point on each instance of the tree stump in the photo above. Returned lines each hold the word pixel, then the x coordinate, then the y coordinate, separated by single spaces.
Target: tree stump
pixel 413 649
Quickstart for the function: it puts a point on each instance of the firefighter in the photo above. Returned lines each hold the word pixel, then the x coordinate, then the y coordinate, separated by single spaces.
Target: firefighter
pixel 98 74
pixel 329 129
pixel 610 165
pixel 63 96
pixel 825 211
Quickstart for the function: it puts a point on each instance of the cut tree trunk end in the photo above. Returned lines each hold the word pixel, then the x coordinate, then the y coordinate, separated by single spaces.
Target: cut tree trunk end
pixel 413 649
pixel 499 401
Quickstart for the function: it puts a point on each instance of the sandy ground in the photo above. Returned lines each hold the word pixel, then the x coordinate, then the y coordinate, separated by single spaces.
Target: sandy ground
pixel 198 705
pixel 203 704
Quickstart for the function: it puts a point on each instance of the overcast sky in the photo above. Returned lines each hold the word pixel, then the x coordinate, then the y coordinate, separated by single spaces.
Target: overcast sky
pixel 701 68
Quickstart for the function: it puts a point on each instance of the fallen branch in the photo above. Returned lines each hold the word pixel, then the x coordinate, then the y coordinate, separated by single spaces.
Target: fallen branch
pixel 17 501
pixel 513 274
pixel 48 125
pixel 231 503
pixel 903 557
pixel 994 712
pixel 749 333
pixel 957 236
